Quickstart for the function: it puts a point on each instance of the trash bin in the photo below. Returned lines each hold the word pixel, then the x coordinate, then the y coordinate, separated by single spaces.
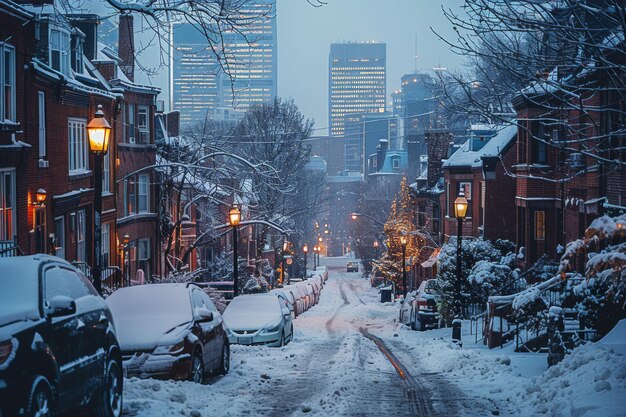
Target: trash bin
pixel 456 332
pixel 386 295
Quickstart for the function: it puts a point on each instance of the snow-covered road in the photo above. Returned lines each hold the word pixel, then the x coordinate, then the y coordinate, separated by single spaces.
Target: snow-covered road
pixel 333 367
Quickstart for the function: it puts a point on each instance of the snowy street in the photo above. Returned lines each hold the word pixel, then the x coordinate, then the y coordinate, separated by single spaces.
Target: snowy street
pixel 332 368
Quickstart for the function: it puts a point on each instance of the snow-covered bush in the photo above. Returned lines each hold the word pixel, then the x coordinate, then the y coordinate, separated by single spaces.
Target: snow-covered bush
pixel 601 296
pixel 487 269
pixel 530 308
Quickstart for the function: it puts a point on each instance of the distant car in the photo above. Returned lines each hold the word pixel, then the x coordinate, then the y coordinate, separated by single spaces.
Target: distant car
pixel 424 313
pixel 352 267
pixel 406 308
pixel 58 346
pixel 169 331
pixel 258 319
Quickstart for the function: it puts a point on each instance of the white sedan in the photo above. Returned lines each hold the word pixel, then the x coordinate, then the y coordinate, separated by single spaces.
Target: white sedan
pixel 258 319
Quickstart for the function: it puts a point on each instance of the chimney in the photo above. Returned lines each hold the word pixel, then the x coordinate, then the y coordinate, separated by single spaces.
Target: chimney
pixel 126 49
pixel 381 152
pixel 173 123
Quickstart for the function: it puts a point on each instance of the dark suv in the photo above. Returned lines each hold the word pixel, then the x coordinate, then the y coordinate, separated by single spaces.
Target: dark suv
pixel 58 348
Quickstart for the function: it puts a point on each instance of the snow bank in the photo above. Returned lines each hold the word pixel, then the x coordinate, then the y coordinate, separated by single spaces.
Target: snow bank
pixel 616 338
pixel 591 381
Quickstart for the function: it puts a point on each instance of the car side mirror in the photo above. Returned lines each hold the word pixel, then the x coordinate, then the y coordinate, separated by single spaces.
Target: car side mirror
pixel 61 306
pixel 203 315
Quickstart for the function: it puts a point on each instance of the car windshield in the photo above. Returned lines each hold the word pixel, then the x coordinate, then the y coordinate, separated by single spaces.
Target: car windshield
pixel 156 302
pixel 19 295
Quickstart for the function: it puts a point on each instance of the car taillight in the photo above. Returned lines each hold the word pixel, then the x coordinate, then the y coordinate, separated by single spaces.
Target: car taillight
pixel 422 304
pixel 5 350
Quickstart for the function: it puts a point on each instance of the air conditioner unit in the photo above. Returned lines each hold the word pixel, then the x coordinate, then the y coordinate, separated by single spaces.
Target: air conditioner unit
pixel 131 139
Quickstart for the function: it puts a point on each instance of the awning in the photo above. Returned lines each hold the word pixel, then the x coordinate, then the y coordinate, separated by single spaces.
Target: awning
pixel 432 260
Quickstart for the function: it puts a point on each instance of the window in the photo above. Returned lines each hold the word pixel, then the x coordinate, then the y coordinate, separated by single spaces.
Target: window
pixel 137 195
pixel 59 50
pixel 41 107
pixel 540 225
pixel 143 124
pixel 105 243
pixel 396 163
pixel 61 281
pixel 144 193
pixel 7 80
pixel 467 189
pixel 80 234
pixel 7 204
pixel 143 256
pixel 448 203
pixel 538 146
pixel 77 54
pixel 106 173
pixel 77 145
pixel 131 123
pixel 59 237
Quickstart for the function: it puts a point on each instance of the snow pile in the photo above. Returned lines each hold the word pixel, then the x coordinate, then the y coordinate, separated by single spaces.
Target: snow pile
pixel 526 297
pixel 591 381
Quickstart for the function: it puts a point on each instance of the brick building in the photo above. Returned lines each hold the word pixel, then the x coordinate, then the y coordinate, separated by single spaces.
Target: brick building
pixel 54 78
pixel 491 210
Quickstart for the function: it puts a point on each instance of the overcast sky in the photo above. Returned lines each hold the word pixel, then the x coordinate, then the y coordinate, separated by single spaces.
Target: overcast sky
pixel 306 32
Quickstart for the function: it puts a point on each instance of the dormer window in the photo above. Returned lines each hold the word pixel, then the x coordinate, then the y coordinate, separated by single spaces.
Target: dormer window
pixel 77 54
pixel 59 51
pixel 395 163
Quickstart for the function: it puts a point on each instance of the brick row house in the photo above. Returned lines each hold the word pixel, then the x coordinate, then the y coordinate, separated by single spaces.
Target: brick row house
pixel 53 84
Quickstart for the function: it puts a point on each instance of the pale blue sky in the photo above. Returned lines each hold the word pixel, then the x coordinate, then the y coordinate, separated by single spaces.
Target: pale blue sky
pixel 305 34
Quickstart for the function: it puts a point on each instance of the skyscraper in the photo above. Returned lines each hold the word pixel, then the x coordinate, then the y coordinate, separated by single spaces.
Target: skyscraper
pixel 357 81
pixel 200 87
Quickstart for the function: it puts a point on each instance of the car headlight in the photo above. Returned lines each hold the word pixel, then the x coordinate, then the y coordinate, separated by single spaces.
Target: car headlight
pixel 169 349
pixel 273 329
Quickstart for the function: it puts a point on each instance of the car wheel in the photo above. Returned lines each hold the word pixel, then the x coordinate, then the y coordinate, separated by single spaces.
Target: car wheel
pixel 40 401
pixel 196 373
pixel 225 361
pixel 109 400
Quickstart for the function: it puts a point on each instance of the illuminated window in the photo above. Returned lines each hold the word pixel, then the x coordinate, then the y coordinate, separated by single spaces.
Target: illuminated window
pixel 540 225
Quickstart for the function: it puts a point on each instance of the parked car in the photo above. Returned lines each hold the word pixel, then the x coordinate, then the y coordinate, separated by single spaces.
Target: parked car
pixel 58 345
pixel 288 299
pixel 169 331
pixel 424 312
pixel 315 290
pixel 352 267
pixel 258 319
pixel 406 308
pixel 297 295
pixel 304 293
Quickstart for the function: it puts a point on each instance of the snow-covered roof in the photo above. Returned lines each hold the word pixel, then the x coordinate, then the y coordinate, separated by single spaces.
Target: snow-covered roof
pixel 464 157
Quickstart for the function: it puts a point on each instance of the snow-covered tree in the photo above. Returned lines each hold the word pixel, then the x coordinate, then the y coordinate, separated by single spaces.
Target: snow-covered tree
pixel 401 223
pixel 601 296
pixel 487 269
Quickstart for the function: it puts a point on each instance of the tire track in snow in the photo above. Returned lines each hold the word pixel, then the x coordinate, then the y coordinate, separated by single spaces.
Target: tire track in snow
pixel 416 396
pixel 329 323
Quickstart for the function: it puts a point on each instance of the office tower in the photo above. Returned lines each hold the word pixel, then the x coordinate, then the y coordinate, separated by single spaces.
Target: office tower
pixel 201 89
pixel 363 133
pixel 357 81
pixel 415 102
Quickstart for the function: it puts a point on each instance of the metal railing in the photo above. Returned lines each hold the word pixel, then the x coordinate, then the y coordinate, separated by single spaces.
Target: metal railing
pixel 9 248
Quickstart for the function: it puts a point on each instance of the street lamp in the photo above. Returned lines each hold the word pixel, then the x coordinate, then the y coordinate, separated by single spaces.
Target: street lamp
pixel 125 243
pixel 99 132
pixel 282 269
pixel 305 249
pixel 403 242
pixel 316 249
pixel 460 210
pixel 234 217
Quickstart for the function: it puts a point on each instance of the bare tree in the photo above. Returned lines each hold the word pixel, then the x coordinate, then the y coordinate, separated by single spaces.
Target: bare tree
pixel 564 58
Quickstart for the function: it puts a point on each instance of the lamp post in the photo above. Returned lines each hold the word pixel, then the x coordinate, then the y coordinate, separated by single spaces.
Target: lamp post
pixel 403 242
pixel 234 217
pixel 99 132
pixel 282 260
pixel 460 210
pixel 125 243
pixel 316 249
pixel 305 249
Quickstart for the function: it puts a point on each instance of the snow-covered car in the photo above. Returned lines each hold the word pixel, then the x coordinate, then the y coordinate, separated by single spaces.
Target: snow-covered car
pixel 304 295
pixel 258 319
pixel 58 347
pixel 314 291
pixel 293 293
pixel 406 308
pixel 352 267
pixel 287 298
pixel 169 331
pixel 424 314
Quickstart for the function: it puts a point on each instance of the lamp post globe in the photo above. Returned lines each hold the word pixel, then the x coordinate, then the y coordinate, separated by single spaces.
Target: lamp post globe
pixel 98 133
